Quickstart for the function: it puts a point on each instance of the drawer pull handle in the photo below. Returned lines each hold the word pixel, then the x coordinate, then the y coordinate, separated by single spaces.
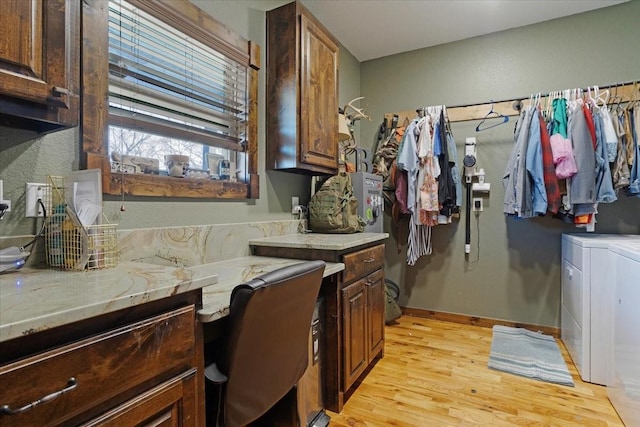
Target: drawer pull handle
pixel 367 260
pixel 71 384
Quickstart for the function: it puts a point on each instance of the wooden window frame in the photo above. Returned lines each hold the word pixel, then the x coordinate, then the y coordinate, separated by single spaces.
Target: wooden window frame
pixel 95 105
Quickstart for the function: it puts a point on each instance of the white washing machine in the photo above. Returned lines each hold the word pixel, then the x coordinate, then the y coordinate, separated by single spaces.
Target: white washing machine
pixel 623 388
pixel 586 301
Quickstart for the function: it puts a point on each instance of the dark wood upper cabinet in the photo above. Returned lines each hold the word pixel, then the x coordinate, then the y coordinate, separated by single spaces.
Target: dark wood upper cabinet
pixel 302 93
pixel 39 64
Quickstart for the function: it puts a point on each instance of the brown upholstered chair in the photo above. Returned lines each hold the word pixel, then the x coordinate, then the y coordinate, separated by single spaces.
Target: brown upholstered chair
pixel 265 350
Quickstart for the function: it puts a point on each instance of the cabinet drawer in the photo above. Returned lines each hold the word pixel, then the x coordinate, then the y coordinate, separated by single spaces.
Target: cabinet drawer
pixel 103 367
pixel 160 406
pixel 360 263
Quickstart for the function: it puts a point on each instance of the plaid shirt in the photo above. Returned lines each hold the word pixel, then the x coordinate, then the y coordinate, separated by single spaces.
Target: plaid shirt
pixel 549 169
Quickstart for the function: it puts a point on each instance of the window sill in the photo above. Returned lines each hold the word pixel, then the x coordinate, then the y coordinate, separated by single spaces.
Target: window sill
pixel 166 186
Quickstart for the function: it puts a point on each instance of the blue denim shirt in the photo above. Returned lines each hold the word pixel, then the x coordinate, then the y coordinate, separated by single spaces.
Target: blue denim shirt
pixel 535 168
pixel 604 183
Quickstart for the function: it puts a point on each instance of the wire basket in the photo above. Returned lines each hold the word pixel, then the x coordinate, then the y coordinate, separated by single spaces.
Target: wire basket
pixel 68 244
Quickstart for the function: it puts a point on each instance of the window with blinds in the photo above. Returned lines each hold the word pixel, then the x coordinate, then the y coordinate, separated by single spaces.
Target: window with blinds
pixel 170 93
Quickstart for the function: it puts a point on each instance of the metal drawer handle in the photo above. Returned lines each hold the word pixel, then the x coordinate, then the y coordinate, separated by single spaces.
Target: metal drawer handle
pixel 71 384
pixel 369 259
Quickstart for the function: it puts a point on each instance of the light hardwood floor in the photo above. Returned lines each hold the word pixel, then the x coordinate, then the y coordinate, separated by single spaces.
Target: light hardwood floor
pixel 435 373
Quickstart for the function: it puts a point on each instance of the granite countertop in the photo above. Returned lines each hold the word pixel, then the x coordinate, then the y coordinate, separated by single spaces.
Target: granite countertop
pixel 33 300
pixel 332 242
pixel 215 299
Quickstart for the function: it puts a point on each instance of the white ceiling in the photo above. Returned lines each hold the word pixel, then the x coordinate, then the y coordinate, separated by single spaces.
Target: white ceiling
pixel 372 29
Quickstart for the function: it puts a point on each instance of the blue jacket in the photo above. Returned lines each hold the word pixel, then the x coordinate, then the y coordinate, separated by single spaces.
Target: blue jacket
pixel 535 169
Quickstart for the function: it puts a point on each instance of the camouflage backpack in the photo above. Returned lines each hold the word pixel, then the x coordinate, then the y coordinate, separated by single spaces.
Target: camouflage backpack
pixel 333 209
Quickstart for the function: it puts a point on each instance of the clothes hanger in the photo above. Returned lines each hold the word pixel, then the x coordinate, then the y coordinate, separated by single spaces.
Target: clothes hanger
pixel 633 98
pixel 592 101
pixel 545 110
pixel 622 98
pixel 549 104
pixel 497 115
pixel 615 97
pixel 604 97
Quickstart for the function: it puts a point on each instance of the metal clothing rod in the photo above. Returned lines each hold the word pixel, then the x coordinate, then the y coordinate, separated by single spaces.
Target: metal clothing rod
pixel 467 112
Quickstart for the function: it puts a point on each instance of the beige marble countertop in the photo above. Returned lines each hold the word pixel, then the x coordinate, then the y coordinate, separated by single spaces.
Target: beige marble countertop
pixel 215 299
pixel 332 242
pixel 33 300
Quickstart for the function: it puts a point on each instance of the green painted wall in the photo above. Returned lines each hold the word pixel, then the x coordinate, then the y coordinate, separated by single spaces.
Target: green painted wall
pixel 27 157
pixel 513 271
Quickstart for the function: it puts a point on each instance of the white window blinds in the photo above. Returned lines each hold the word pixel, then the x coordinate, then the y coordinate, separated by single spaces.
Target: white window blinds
pixel 164 82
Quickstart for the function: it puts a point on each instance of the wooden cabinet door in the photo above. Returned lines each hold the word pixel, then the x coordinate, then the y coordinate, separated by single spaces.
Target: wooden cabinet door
pixel 171 404
pixel 319 95
pixel 375 313
pixel 354 330
pixel 39 54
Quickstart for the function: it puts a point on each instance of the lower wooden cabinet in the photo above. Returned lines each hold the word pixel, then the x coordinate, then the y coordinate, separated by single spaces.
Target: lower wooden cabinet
pixel 362 325
pixel 146 371
pixel 354 317
pixel 165 405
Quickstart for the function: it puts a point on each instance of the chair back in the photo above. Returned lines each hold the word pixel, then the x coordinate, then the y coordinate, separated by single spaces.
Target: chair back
pixel 266 352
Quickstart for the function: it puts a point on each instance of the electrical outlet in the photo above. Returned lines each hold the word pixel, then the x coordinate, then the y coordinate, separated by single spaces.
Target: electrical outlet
pixel 295 203
pixel 33 192
pixel 477 204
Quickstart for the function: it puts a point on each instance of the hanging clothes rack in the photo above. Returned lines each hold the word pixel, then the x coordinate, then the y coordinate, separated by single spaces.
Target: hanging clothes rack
pixel 467 112
pixel 427 181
